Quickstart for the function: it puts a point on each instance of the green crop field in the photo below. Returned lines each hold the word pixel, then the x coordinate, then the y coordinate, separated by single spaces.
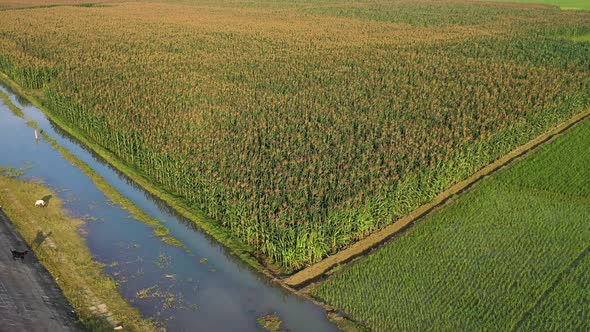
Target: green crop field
pixel 581 38
pixel 564 4
pixel 302 127
pixel 566 307
pixel 510 254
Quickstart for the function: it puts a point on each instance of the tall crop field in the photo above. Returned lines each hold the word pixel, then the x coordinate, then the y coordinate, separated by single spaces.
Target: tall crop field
pixel 564 4
pixel 302 127
pixel 510 255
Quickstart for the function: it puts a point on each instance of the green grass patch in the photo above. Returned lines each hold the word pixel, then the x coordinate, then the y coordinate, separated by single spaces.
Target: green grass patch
pixel 563 4
pixel 581 38
pixel 54 238
pixel 270 322
pixel 505 255
pixel 564 308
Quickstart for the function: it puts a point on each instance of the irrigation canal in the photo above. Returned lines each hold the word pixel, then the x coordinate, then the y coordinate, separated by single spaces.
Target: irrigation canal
pixel 203 289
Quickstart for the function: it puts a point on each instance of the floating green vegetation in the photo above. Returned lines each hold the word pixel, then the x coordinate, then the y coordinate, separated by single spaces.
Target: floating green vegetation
pixel 173 242
pixel 164 260
pixel 270 322
pixel 166 298
pixel 88 217
pixel 509 255
pixel 6 100
pixel 161 231
pixel 144 293
pixel 12 172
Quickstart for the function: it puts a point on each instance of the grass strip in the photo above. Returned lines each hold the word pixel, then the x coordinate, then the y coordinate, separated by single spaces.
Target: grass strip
pixel 54 238
pixel 563 4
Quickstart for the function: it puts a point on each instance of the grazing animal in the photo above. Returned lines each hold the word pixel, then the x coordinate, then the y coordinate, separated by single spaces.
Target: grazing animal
pixel 40 203
pixel 18 254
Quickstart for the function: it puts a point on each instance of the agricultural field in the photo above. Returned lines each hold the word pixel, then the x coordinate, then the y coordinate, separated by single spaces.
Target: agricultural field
pixel 563 4
pixel 303 127
pixel 512 254
pixel 21 4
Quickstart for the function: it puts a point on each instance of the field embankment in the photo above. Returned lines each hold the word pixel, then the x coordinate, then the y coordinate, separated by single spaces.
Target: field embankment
pixel 53 237
pixel 510 254
pixel 302 129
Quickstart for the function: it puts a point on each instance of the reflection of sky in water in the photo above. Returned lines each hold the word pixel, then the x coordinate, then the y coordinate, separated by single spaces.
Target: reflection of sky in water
pixel 219 294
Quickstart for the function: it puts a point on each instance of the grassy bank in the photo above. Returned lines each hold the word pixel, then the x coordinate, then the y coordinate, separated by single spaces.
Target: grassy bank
pixel 159 230
pixel 510 254
pixel 54 238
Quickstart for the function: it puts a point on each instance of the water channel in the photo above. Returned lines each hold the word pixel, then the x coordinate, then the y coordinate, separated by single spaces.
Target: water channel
pixel 212 289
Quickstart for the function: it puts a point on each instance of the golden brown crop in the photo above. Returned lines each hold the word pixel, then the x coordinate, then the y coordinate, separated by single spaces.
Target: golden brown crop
pixel 303 127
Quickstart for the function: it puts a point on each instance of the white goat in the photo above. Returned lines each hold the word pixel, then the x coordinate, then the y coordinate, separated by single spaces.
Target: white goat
pixel 40 203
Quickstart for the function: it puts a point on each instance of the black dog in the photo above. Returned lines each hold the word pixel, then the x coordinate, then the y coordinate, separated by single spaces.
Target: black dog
pixel 18 254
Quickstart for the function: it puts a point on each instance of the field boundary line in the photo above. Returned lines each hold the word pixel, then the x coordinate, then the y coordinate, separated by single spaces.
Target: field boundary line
pixel 529 312
pixel 316 271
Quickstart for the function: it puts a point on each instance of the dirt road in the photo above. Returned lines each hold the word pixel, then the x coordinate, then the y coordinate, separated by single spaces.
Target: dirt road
pixel 29 297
